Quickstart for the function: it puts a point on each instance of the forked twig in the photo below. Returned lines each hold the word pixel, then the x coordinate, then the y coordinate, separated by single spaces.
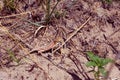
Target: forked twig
pixel 73 34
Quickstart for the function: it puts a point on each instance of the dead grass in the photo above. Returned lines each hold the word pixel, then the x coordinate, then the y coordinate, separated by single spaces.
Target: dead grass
pixel 56 50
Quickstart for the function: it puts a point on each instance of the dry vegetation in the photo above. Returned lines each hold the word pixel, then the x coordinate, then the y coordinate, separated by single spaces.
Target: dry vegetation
pixel 49 39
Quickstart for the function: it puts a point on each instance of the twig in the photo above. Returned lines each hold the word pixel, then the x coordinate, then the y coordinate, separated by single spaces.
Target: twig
pixel 36 32
pixel 114 32
pixel 115 58
pixel 76 61
pixel 19 14
pixel 73 34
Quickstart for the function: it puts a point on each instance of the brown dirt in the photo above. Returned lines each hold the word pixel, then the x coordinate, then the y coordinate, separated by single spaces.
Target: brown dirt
pixel 34 46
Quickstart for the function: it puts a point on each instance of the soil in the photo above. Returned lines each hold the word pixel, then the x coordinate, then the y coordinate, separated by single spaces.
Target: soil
pixel 33 50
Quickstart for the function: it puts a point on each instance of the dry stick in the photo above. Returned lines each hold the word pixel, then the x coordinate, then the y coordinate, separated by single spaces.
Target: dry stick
pixel 13 15
pixel 73 34
pixel 74 59
pixel 114 32
pixel 114 59
pixel 16 39
pixel 19 14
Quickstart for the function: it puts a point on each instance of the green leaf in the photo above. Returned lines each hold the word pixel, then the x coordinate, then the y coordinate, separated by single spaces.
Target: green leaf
pixel 90 54
pixel 96 61
pixel 106 61
pixel 103 71
pixel 91 63
pixel 93 57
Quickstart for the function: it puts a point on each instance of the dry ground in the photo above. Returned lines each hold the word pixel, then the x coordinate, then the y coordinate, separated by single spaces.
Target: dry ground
pixel 35 45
